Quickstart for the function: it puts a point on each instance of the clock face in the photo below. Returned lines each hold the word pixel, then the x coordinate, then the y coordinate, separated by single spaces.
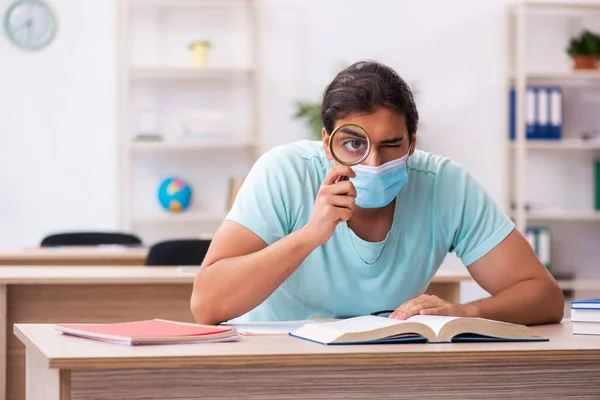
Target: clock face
pixel 30 24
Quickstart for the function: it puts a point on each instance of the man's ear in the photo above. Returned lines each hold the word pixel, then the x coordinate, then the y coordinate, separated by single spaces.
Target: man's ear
pixel 413 143
pixel 325 136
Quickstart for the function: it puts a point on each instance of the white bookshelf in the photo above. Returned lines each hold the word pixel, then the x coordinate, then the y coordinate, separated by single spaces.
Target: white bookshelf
pixel 170 4
pixel 193 146
pixel 564 144
pixel 564 216
pixel 185 73
pixel 550 182
pixel 184 217
pixel 205 120
pixel 562 76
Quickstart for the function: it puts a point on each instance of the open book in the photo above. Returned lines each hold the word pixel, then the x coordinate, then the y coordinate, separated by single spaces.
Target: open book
pixel 154 331
pixel 419 328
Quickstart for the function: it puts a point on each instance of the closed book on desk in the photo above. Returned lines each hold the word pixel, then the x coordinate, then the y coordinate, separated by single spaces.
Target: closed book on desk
pixel 585 315
pixel 593 304
pixel 155 331
pixel 419 328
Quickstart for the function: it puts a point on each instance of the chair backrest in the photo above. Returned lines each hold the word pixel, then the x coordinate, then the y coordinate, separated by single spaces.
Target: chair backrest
pixel 91 239
pixel 178 252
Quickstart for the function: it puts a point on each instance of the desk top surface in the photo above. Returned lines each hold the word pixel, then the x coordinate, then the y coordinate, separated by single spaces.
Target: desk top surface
pixel 62 351
pixel 75 253
pixel 26 275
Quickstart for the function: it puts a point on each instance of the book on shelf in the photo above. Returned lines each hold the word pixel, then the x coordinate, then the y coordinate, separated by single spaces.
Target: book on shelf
pixel 154 331
pixel 419 328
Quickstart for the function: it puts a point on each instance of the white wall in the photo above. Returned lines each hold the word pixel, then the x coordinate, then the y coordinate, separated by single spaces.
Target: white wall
pixel 57 107
pixel 57 127
pixel 453 58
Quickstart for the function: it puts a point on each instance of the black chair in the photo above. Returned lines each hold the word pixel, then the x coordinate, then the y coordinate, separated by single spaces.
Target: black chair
pixel 91 239
pixel 178 252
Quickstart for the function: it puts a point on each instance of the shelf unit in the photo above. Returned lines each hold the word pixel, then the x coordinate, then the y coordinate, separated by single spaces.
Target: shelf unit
pixel 186 73
pixel 563 216
pixel 208 118
pixel 176 146
pixel 564 144
pixel 554 171
pixel 564 76
pixel 185 217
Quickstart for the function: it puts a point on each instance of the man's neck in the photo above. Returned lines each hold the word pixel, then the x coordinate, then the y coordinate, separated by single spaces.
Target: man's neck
pixel 372 224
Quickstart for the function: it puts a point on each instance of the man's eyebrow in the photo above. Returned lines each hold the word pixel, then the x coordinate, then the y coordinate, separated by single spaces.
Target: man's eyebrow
pixel 392 140
pixel 352 132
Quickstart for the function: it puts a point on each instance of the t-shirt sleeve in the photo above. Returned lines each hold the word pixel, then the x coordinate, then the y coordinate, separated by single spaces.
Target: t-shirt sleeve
pixel 268 201
pixel 471 220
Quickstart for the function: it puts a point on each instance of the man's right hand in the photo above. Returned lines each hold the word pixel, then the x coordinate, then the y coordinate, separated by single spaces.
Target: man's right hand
pixel 334 204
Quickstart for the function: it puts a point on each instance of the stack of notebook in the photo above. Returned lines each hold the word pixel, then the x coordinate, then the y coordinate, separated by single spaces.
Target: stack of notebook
pixel 585 315
pixel 155 331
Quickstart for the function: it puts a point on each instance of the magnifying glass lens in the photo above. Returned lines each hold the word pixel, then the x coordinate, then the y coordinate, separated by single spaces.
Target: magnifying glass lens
pixel 350 145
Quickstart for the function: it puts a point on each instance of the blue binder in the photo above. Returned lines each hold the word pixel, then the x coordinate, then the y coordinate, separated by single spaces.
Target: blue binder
pixel 556 113
pixel 544 108
pixel 542 115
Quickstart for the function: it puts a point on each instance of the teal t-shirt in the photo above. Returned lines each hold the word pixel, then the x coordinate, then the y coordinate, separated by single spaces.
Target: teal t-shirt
pixel 441 209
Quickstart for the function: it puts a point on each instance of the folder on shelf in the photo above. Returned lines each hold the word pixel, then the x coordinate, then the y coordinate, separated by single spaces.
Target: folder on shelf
pixel 542 120
pixel 531 113
pixel 544 113
pixel 512 114
pixel 556 113
pixel 540 240
pixel 597 184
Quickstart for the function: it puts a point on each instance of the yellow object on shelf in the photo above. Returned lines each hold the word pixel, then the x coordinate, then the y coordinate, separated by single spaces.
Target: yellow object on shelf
pixel 200 53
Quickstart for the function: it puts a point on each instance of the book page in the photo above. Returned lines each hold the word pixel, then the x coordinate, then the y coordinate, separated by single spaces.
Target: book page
pixel 362 324
pixel 269 328
pixel 435 322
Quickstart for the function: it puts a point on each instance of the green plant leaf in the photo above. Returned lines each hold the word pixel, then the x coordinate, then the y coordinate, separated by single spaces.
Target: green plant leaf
pixel 587 43
pixel 311 113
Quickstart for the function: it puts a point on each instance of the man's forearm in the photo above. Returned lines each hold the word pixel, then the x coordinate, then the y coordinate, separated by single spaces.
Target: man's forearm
pixel 233 286
pixel 530 302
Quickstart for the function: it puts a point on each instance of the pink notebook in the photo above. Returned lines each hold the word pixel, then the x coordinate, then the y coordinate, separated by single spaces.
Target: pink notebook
pixel 154 331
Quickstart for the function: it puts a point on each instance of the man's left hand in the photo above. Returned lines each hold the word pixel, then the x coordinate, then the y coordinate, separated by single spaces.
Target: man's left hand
pixel 427 305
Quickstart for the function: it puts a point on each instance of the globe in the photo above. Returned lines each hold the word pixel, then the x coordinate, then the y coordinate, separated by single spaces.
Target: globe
pixel 174 194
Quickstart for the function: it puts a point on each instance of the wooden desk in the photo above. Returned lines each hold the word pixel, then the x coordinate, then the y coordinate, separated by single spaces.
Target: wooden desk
pixel 68 368
pixel 75 255
pixel 103 294
pixel 82 294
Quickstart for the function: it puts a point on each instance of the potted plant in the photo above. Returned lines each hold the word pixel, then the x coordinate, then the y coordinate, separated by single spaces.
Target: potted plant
pixel 585 50
pixel 311 113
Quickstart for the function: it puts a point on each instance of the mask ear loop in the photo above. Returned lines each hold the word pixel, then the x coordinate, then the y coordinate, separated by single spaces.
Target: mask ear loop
pixel 408 152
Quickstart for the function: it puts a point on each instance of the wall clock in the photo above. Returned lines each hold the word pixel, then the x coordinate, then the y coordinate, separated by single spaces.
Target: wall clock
pixel 30 24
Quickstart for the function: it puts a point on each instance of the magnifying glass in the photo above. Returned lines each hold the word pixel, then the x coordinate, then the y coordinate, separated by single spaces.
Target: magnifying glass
pixel 349 145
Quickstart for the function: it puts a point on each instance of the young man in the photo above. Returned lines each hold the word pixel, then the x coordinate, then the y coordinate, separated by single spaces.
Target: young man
pixel 299 242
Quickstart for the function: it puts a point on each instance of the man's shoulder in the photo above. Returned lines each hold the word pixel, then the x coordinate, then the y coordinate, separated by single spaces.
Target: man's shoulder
pixel 423 162
pixel 296 155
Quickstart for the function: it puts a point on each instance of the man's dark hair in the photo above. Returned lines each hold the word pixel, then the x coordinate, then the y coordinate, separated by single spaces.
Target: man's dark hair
pixel 364 87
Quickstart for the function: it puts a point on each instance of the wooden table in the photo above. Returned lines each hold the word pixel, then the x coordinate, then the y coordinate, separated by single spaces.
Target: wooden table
pixel 68 368
pixel 75 255
pixel 103 294
pixel 83 294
